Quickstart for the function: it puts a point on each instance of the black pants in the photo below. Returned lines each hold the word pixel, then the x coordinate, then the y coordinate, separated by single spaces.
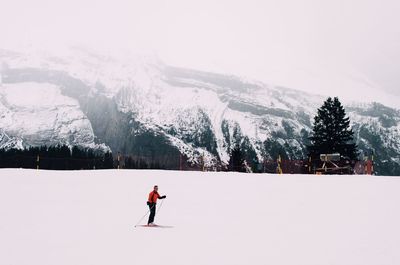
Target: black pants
pixel 152 207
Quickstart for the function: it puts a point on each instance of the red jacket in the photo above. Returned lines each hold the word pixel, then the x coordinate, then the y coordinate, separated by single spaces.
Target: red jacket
pixel 153 196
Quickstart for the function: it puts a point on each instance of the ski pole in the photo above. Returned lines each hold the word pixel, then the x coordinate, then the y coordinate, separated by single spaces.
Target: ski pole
pixel 144 215
pixel 159 208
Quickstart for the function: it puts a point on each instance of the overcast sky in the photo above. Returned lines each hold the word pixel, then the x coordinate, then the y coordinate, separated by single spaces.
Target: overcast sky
pixel 333 47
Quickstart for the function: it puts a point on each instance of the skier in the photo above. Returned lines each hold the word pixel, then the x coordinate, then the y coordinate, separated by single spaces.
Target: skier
pixel 151 202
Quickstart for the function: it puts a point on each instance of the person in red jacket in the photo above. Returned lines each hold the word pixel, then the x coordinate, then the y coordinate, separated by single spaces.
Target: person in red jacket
pixel 151 202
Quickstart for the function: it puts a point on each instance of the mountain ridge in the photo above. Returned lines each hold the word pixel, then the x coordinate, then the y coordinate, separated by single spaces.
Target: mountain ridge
pixel 146 107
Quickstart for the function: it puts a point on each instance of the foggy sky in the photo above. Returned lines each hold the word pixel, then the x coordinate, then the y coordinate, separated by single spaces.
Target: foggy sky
pixel 340 48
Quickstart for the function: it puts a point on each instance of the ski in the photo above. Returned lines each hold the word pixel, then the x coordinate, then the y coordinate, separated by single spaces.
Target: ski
pixel 155 226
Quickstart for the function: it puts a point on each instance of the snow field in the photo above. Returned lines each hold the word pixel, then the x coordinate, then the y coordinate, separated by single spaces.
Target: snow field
pixel 87 217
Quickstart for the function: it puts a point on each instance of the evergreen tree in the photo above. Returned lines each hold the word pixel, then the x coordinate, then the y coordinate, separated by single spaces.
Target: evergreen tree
pixel 332 132
pixel 108 160
pixel 236 160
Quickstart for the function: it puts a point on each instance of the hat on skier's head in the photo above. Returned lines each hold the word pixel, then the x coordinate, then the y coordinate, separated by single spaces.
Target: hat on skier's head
pixel 155 187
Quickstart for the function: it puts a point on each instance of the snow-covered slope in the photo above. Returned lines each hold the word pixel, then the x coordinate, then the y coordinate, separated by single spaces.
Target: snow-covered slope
pixel 87 217
pixel 201 115
pixel 38 114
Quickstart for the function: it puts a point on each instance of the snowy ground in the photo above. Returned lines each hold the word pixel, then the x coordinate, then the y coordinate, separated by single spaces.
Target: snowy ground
pixel 87 217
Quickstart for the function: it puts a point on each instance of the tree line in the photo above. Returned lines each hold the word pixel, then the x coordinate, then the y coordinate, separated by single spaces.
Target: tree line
pixel 60 157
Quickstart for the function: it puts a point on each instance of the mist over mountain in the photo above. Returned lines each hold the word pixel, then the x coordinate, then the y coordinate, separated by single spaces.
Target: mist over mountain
pixel 137 105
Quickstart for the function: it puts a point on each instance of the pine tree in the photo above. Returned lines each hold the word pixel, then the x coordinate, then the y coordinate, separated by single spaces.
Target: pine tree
pixel 236 160
pixel 332 132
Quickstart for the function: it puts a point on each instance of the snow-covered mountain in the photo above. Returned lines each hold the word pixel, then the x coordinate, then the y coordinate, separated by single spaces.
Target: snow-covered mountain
pixel 138 105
